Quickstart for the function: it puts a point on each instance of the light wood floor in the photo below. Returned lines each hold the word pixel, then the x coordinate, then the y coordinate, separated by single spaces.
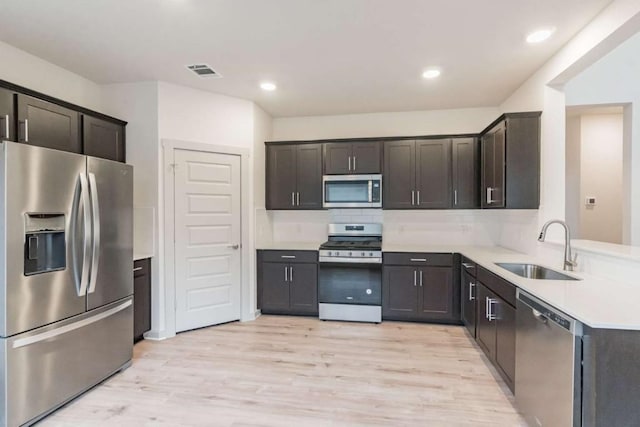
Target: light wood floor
pixel 294 371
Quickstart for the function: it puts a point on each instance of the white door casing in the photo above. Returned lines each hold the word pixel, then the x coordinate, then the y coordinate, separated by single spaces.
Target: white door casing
pixel 207 238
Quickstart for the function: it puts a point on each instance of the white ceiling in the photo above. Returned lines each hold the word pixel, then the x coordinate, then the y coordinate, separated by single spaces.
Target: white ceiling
pixel 326 56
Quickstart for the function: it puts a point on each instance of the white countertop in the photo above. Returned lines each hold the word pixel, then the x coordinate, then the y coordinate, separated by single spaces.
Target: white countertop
pixel 291 246
pixel 141 255
pixel 594 301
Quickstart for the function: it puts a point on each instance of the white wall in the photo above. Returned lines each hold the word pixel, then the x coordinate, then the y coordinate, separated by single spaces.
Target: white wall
pixel 572 175
pixel 24 69
pixel 470 120
pixel 138 104
pixel 601 177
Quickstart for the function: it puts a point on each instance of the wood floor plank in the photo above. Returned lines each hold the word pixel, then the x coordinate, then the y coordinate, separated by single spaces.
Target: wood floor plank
pixel 297 371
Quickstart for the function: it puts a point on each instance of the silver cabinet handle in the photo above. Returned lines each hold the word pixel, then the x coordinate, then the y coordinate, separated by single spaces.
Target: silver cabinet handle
pixel 471 286
pixel 6 127
pixel 415 277
pixel 413 197
pixel 418 197
pixel 291 274
pixel 285 273
pixel 455 197
pixel 467 265
pixel 297 199
pixel 354 163
pixel 95 208
pixel 293 198
pixel 137 269
pixel 418 260
pixel 349 163
pixel 26 130
pixel 489 195
pixel 288 256
pixel 490 305
pixel 420 278
pixel 486 307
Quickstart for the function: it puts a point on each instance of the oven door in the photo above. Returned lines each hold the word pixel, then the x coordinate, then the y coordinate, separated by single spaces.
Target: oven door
pixel 352 191
pixel 350 283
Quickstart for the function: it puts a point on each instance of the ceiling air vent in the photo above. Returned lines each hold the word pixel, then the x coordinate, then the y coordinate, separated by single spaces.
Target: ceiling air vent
pixel 203 70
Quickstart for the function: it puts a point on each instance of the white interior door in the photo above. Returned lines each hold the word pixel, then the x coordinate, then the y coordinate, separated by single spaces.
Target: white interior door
pixel 207 238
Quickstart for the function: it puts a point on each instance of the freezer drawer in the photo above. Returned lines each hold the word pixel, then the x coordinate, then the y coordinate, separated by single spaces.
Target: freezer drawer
pixel 44 368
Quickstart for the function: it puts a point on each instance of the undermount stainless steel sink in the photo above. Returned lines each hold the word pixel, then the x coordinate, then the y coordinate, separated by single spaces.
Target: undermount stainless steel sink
pixel 533 271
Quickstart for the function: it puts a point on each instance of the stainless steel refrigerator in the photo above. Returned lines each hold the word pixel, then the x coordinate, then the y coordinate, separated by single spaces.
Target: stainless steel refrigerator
pixel 66 281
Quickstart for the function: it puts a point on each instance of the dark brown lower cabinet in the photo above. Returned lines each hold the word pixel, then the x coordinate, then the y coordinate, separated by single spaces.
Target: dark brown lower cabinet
pixel 418 293
pixel 468 302
pixel 496 332
pixel 141 298
pixel 287 287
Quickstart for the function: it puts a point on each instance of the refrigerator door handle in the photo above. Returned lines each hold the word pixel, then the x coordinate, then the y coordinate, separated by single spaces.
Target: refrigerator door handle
pixel 95 209
pixel 23 342
pixel 86 240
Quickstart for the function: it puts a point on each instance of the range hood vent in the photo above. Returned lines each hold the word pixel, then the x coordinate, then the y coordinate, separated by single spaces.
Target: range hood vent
pixel 204 70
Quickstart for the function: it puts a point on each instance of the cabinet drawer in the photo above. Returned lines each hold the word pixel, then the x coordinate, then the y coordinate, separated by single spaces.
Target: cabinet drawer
pixel 289 256
pixel 469 266
pixel 141 267
pixel 418 259
pixel 501 287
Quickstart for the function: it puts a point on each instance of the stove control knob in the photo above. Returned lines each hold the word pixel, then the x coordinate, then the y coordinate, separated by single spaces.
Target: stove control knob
pixel 370 253
pixel 328 253
pixel 362 254
pixel 350 253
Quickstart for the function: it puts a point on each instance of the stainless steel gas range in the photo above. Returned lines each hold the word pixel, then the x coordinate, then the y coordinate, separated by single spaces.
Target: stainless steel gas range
pixel 350 279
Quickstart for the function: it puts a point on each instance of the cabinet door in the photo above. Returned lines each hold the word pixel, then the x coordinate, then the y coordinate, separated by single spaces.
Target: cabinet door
pixel 309 176
pixel 141 298
pixel 493 165
pixel 436 293
pixel 485 328
pixel 464 172
pixel 468 299
pixel 281 177
pixel 104 139
pixel 506 341
pixel 399 292
pixel 48 125
pixel 275 287
pixel 7 115
pixel 303 288
pixel 366 157
pixel 399 182
pixel 433 173
pixel 337 158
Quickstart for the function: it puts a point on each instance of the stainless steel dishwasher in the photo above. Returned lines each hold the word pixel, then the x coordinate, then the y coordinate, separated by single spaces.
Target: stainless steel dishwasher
pixel 548 364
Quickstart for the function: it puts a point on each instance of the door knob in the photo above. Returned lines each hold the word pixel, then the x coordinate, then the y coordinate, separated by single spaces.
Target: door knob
pixel 234 247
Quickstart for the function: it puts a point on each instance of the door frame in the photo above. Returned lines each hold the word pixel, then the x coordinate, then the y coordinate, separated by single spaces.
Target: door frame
pixel 167 239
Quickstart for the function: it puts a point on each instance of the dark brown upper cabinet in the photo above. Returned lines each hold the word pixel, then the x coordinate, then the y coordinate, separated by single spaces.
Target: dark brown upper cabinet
pixel 343 158
pixel 49 125
pixel 417 174
pixel 7 115
pixel 465 176
pixel 510 162
pixel 294 176
pixel 104 139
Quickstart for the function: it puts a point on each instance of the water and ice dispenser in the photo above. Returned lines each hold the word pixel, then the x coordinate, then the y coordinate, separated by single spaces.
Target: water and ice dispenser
pixel 44 243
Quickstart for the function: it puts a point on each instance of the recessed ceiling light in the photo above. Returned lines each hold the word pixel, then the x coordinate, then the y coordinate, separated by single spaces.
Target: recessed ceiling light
pixel 431 74
pixel 540 35
pixel 268 86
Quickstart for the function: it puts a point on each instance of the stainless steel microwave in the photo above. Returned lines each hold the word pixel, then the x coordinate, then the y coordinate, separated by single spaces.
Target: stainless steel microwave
pixel 352 191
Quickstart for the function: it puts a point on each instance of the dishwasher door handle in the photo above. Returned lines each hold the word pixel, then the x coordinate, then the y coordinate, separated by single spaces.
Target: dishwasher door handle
pixel 539 316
